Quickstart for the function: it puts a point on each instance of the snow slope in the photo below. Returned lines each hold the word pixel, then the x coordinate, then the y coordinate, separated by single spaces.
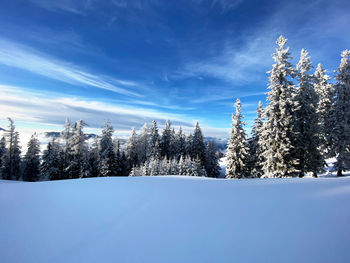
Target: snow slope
pixel 175 219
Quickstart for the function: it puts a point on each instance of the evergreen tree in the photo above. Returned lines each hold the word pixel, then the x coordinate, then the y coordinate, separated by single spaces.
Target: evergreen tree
pixel 124 165
pixel 118 157
pixel 255 159
pixel 166 140
pixel 173 145
pixel 31 160
pixel 78 148
pixel 341 115
pixel 143 145
pixel 66 157
pixel 325 109
pixel 154 166
pixel 154 140
pixel 107 164
pixel 306 125
pixel 51 166
pixel 197 145
pixel 11 161
pixel 131 149
pixel 189 145
pixel 180 144
pixel 212 167
pixel 278 131
pixel 2 153
pixel 93 157
pixel 237 149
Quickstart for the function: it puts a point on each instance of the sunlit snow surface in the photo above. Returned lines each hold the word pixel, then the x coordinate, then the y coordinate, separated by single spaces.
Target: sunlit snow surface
pixel 176 219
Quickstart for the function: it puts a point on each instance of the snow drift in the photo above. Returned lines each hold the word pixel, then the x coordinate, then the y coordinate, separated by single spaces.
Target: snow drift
pixel 175 219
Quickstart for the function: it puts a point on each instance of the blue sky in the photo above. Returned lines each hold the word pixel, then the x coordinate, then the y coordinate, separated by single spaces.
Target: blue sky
pixel 135 61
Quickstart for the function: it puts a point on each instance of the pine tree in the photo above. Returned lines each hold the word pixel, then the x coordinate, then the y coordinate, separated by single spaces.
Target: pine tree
pixel 255 159
pixel 11 161
pixel 212 167
pixel 131 149
pixel 31 160
pixel 118 157
pixel 189 151
pixel 124 165
pixel 164 166
pixel 237 149
pixel 325 109
pixel 197 145
pixel 66 157
pixel 2 153
pixel 174 167
pixel 172 145
pixel 154 140
pixel 154 166
pixel 341 115
pixel 51 166
pixel 166 140
pixel 278 131
pixel 93 160
pixel 143 145
pixel 78 148
pixel 180 144
pixel 306 124
pixel 107 164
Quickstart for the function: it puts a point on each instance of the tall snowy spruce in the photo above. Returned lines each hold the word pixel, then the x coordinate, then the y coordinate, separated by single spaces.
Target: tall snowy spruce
pixel 11 160
pixel 51 165
pixel 166 140
pixel 143 145
pixel 278 131
pixel 237 149
pixel 131 149
pixel 307 141
pixel 325 108
pixel 154 141
pixel 255 159
pixel 341 141
pixel 78 148
pixel 107 165
pixel 31 161
pixel 197 145
pixel 65 154
pixel 180 144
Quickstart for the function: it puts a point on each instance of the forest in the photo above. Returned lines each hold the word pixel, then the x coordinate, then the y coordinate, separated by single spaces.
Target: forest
pixel 306 121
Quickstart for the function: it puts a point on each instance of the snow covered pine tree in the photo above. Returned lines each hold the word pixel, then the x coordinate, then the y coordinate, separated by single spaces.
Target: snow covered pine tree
pixel 237 149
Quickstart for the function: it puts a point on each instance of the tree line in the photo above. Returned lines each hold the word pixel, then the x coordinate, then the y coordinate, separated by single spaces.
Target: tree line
pixel 306 120
pixel 149 153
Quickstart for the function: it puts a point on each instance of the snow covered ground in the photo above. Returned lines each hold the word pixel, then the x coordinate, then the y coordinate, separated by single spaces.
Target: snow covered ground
pixel 175 219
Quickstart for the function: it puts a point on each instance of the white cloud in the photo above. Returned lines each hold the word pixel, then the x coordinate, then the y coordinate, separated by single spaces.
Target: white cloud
pixel 24 105
pixel 19 56
pixel 73 6
pixel 238 66
pixel 49 113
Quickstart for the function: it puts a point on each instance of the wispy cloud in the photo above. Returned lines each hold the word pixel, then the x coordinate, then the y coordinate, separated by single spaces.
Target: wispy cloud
pixel 242 65
pixel 25 105
pixel 72 6
pixel 19 56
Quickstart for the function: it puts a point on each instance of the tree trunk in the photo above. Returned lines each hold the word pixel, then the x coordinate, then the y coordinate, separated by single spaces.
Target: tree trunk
pixel 340 172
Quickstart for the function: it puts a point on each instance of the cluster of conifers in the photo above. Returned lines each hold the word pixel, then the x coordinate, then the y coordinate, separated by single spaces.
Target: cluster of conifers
pixel 306 120
pixel 71 156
